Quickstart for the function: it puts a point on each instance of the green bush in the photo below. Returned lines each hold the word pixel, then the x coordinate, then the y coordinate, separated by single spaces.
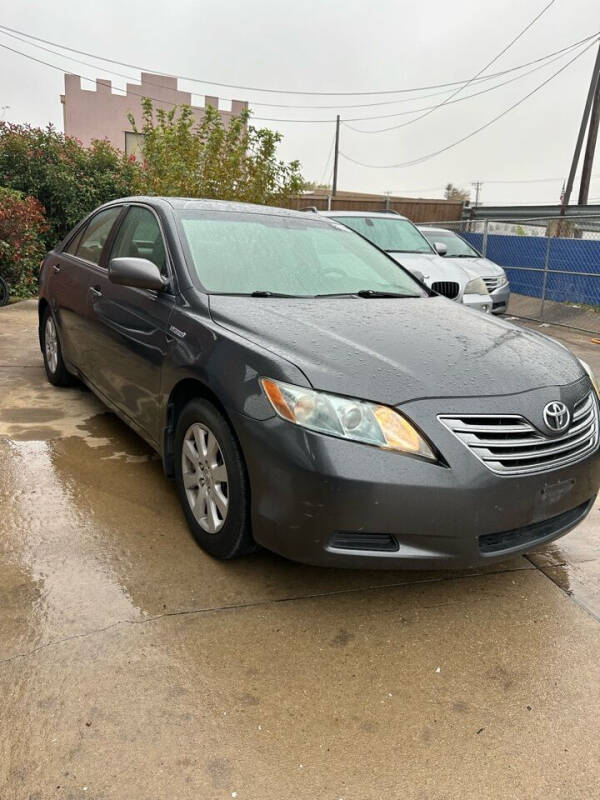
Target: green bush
pixel 232 161
pixel 68 179
pixel 22 228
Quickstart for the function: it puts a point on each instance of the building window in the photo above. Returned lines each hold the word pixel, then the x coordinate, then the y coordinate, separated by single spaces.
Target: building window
pixel 134 145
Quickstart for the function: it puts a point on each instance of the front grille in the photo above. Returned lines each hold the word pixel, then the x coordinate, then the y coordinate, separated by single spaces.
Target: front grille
pixel 492 283
pixel 447 288
pixel 510 445
pixel 521 537
pixel 348 540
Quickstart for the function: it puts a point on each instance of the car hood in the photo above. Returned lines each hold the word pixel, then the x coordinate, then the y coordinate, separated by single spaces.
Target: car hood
pixel 395 350
pixel 479 266
pixel 433 267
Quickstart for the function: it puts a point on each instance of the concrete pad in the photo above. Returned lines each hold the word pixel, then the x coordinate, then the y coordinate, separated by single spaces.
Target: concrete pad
pixel 574 314
pixel 19 343
pixel 480 687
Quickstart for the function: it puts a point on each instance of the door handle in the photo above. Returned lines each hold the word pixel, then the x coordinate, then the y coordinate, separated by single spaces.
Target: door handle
pixel 56 268
pixel 95 290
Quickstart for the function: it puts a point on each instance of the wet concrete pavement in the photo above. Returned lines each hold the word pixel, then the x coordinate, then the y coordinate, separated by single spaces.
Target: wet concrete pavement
pixel 134 666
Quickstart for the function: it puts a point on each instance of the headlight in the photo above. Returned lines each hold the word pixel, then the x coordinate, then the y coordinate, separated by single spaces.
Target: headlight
pixel 476 286
pixel 346 418
pixel 588 369
pixel 502 280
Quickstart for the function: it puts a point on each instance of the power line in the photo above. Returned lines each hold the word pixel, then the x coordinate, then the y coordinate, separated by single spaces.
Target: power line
pixel 596 176
pixel 548 58
pixel 450 102
pixel 326 167
pixel 262 89
pixel 261 119
pixel 477 130
pixel 430 111
pixel 345 122
pixel 78 75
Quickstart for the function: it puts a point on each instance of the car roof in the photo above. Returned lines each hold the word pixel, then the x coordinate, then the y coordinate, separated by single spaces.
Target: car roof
pixel 373 214
pixel 200 204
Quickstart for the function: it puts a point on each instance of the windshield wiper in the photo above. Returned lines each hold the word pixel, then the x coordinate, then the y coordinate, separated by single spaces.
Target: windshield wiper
pixel 460 255
pixel 376 293
pixel 360 293
pixel 265 293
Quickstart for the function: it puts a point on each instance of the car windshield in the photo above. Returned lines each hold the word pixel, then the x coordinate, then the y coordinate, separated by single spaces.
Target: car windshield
pixel 394 235
pixel 456 247
pixel 271 254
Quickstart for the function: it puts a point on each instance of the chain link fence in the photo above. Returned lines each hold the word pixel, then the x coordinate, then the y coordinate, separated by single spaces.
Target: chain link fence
pixel 553 265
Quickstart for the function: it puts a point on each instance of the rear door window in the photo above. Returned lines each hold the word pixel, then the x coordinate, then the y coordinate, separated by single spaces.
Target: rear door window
pixel 71 248
pixel 94 238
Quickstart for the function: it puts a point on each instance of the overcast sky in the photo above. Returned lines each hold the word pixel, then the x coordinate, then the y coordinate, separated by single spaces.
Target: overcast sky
pixel 344 46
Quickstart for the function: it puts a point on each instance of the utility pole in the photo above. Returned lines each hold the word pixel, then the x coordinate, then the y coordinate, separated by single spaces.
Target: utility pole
pixel 335 157
pixel 477 185
pixel 590 148
pixel 581 134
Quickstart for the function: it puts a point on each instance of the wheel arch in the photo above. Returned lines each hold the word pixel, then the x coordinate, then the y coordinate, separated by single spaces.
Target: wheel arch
pixel 184 390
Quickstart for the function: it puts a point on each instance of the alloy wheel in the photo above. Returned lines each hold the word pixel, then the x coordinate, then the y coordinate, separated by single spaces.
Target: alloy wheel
pixel 51 345
pixel 205 477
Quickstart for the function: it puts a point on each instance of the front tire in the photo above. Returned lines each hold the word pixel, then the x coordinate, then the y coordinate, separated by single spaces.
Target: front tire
pixel 56 372
pixel 212 482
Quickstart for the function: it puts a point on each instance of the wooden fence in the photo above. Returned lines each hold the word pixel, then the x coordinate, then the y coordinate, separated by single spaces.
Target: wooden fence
pixel 417 210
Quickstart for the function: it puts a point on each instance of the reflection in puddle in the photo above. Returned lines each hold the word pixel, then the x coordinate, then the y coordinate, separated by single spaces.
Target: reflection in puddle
pixel 51 536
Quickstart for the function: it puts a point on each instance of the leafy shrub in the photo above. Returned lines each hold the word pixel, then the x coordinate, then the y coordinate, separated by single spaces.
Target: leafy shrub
pixel 211 159
pixel 22 227
pixel 68 179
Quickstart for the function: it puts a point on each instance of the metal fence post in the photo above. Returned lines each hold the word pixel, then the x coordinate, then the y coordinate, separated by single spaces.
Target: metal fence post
pixel 485 235
pixel 545 282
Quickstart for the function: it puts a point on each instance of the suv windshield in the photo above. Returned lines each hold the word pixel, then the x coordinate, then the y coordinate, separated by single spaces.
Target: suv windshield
pixel 456 246
pixel 394 235
pixel 270 254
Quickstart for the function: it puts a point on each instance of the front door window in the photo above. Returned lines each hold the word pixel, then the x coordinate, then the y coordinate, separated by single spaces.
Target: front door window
pixel 139 237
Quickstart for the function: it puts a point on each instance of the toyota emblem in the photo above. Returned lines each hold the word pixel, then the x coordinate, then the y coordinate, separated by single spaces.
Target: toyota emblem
pixel 557 416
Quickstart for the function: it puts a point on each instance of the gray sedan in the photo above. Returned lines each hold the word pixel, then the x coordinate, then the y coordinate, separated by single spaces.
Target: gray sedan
pixel 307 394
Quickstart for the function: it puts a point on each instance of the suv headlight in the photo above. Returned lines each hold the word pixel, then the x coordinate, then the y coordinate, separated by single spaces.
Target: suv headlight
pixel 502 279
pixel 588 369
pixel 476 286
pixel 346 418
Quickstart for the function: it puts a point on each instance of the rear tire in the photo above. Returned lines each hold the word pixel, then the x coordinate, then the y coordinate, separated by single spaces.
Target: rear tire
pixel 4 293
pixel 212 482
pixel 56 372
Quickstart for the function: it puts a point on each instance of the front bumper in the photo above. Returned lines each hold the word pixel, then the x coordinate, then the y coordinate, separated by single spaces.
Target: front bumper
pixel 500 298
pixel 310 491
pixel 480 302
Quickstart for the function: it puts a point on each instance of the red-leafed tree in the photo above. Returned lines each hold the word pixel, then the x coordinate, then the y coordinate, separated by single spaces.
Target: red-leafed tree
pixel 22 227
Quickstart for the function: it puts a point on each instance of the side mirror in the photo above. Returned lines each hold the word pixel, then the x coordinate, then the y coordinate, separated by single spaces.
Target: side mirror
pixel 440 248
pixel 137 272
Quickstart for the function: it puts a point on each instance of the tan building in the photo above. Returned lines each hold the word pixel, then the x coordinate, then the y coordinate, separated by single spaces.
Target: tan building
pixel 102 114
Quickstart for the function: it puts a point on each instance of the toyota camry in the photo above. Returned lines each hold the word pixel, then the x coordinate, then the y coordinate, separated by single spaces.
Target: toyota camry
pixel 309 395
